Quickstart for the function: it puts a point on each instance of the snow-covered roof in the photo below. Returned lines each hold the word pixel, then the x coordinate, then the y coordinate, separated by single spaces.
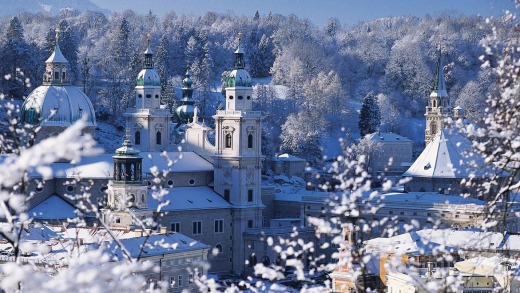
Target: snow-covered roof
pixel 428 197
pixel 431 241
pixel 56 238
pixel 449 155
pixel 288 157
pixel 157 244
pixel 53 207
pixel 190 198
pixel 62 105
pixel 386 136
pixel 101 166
pixel 403 199
pixel 56 56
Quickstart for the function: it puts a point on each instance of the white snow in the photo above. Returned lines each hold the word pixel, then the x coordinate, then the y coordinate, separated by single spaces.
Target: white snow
pixel 53 207
pixel 190 198
pixel 449 155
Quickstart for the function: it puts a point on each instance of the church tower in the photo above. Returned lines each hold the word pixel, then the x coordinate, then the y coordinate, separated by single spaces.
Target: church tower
pixel 186 111
pixel 127 192
pixel 238 157
pixel 149 121
pixel 439 106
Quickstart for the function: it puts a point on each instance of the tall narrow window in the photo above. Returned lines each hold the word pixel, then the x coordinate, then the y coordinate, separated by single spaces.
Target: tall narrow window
pixel 137 138
pixel 433 129
pixel 226 194
pixel 158 137
pixel 229 140
pixel 250 141
pixel 56 75
pixel 197 227
pixel 250 195
pixel 63 76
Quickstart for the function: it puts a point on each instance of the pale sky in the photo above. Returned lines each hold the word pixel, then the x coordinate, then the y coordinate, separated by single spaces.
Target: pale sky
pixel 318 11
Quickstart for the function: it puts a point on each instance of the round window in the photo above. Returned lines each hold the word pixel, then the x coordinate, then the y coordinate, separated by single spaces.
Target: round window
pixel 140 96
pixel 39 188
pixel 192 181
pixel 170 183
pixel 156 96
pixel 240 97
pixel 231 97
pixel 70 188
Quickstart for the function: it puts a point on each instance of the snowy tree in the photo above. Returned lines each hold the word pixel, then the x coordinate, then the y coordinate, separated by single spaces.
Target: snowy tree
pixel 369 115
pixel 299 140
pixel 18 64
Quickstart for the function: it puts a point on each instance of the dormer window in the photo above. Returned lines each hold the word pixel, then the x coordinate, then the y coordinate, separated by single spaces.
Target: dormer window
pixel 63 76
pixel 56 75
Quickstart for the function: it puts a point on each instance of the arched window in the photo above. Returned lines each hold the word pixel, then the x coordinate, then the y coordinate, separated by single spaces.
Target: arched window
pixel 250 141
pixel 229 140
pixel 158 137
pixel 63 76
pixel 137 137
pixel 56 75
pixel 219 249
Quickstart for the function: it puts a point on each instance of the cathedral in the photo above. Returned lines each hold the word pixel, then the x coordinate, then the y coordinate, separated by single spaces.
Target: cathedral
pixel 211 192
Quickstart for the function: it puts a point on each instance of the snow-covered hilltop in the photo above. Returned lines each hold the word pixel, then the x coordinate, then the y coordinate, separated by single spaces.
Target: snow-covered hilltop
pixel 54 7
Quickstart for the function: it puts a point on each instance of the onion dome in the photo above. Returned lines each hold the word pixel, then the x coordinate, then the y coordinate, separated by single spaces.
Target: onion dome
pixel 57 102
pixel 239 76
pixel 148 76
pixel 127 148
pixel 186 111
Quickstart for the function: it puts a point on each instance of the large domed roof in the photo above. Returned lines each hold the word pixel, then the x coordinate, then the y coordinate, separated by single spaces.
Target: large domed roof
pixel 57 105
pixel 148 76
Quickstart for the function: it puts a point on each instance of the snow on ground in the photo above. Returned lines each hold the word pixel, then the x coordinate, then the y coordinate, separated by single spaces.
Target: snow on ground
pixel 108 137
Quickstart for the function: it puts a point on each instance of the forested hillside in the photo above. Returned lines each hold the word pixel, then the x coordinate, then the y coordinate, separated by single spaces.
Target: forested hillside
pixel 312 77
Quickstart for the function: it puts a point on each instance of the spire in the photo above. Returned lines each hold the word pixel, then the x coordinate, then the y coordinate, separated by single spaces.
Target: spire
pixel 57 56
pixel 239 54
pixel 187 90
pixel 439 85
pixel 148 54
pixel 187 110
pixel 127 148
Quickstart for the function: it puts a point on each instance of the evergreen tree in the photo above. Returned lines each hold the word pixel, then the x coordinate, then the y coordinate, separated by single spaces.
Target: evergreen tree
pixel 369 116
pixel 162 62
pixel 17 66
pixel 121 49
pixel 69 47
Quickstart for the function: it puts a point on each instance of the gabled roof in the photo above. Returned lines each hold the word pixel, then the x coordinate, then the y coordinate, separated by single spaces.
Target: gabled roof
pixel 449 155
pixel 53 207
